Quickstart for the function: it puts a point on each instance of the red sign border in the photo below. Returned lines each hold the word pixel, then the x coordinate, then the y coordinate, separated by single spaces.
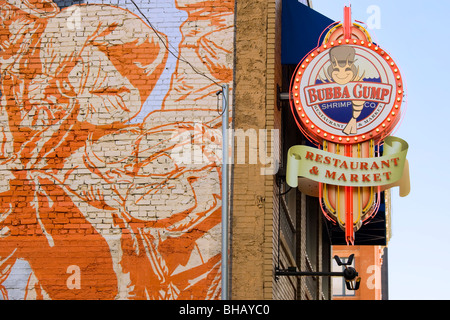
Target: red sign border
pixel 309 128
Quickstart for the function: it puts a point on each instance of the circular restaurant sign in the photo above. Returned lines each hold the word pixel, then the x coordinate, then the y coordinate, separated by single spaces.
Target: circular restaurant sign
pixel 347 91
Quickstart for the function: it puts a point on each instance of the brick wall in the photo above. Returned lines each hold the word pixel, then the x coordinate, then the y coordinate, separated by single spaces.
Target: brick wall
pixel 257 72
pixel 248 204
pixel 109 152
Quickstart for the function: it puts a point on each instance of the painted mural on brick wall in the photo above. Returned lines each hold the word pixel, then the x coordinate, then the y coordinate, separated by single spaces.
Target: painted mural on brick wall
pixel 96 101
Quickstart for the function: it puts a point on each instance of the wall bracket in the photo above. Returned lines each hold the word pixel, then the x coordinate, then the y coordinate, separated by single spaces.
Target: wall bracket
pixel 352 281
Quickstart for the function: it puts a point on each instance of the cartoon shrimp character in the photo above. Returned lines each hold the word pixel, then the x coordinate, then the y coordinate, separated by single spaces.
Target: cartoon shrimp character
pixel 342 70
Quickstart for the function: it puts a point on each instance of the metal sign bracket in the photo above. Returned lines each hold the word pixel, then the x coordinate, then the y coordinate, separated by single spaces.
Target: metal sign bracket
pixel 352 281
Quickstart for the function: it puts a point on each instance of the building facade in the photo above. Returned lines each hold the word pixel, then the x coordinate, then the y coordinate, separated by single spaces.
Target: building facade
pixel 111 153
pixel 371 263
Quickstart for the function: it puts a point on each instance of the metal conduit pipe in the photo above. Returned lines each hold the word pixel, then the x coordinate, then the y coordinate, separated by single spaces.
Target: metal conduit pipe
pixel 225 169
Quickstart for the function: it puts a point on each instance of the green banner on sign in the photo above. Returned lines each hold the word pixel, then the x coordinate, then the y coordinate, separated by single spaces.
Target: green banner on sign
pixel 325 167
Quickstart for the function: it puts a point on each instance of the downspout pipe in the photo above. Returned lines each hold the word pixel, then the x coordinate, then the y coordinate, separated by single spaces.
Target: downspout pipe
pixel 225 185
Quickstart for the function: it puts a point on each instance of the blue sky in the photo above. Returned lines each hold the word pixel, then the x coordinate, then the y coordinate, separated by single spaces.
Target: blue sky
pixel 415 33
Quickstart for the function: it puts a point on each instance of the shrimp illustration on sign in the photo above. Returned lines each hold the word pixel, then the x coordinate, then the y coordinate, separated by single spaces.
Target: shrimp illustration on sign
pixel 343 70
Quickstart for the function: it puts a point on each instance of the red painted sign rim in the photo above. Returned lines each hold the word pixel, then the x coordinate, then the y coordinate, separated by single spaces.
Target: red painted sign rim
pixel 318 135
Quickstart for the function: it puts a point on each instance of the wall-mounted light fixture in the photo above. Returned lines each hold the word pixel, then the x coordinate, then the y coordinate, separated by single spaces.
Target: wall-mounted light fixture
pixel 352 281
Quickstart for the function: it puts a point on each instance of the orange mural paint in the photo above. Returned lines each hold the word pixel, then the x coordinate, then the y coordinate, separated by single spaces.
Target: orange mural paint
pixel 94 201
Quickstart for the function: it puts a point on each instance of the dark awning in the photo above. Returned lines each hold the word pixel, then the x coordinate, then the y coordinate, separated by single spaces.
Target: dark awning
pixel 301 28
